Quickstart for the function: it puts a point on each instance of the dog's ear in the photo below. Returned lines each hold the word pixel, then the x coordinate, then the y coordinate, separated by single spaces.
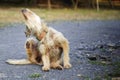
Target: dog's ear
pixel 27 32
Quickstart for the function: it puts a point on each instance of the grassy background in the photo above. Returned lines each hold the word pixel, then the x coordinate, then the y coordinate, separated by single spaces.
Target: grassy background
pixel 12 15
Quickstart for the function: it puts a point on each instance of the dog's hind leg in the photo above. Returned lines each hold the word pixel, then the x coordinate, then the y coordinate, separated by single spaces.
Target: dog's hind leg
pixel 18 62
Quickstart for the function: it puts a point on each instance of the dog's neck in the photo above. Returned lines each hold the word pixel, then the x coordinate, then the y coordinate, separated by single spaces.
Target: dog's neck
pixel 41 35
pixel 43 32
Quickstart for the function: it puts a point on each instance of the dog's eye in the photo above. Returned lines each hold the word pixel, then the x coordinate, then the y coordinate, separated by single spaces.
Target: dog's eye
pixel 27 29
pixel 27 34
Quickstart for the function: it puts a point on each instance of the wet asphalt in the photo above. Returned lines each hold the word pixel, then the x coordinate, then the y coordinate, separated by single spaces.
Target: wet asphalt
pixel 85 37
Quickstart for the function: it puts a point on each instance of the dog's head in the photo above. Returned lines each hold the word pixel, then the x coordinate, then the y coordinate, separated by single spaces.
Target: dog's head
pixel 32 21
pixel 34 25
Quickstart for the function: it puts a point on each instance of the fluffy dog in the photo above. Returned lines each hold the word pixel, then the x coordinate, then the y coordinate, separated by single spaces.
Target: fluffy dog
pixel 50 44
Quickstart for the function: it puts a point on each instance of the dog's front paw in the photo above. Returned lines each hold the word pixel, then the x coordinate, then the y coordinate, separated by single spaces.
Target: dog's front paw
pixel 45 68
pixel 68 65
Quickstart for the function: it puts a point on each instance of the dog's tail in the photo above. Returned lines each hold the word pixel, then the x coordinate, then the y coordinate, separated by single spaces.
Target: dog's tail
pixel 18 62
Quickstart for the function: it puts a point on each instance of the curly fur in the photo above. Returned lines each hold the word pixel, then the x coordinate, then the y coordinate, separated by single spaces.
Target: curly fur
pixel 50 43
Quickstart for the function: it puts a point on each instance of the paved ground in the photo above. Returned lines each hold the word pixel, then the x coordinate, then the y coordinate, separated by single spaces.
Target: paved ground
pixel 88 41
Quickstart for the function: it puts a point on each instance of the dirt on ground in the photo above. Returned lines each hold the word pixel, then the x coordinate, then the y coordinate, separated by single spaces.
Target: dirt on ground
pixel 94 51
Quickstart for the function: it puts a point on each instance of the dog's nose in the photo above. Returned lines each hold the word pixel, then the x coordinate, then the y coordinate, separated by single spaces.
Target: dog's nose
pixel 24 10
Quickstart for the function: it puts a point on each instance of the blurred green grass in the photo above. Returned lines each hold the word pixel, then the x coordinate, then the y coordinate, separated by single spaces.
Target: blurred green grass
pixel 13 15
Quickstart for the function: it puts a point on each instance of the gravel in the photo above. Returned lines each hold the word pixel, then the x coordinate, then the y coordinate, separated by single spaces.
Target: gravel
pixel 85 37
